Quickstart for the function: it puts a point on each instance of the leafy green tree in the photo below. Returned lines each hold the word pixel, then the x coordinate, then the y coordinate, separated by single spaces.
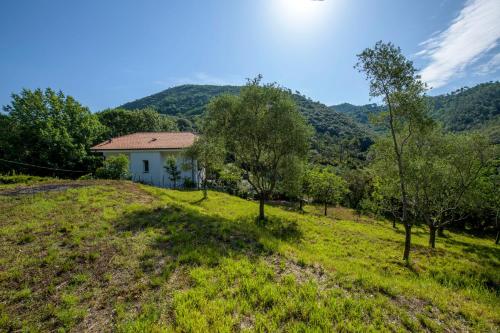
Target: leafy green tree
pixel 394 78
pixel 52 130
pixel 440 178
pixel 209 154
pixel 360 187
pixel 295 187
pixel 326 187
pixel 122 122
pixel 114 167
pixel 262 130
pixel 230 178
pixel 174 174
pixel 489 193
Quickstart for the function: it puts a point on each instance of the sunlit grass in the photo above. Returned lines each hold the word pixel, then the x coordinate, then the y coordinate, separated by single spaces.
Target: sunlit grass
pixel 121 256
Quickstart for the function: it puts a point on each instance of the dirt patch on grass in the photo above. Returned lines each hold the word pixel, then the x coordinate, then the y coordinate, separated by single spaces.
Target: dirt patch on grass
pixel 34 189
pixel 301 272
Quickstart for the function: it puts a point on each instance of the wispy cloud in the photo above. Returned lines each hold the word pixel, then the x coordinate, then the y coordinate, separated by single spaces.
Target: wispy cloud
pixel 471 34
pixel 491 66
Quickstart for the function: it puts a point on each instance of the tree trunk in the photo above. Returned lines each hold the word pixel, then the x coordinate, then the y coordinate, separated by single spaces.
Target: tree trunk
pixel 402 184
pixel 432 236
pixel 301 205
pixel 441 232
pixel 498 229
pixel 394 223
pixel 406 254
pixel 326 208
pixel 262 216
pixel 205 189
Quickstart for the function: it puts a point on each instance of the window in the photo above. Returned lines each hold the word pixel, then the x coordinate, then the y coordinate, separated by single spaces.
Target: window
pixel 145 166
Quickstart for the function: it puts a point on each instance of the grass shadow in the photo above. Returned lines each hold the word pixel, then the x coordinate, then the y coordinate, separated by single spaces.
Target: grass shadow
pixel 483 252
pixel 186 236
pixel 199 201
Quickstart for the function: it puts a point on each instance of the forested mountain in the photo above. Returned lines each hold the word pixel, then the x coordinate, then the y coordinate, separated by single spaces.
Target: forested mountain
pixel 185 100
pixel 338 136
pixel 463 109
pixel 468 108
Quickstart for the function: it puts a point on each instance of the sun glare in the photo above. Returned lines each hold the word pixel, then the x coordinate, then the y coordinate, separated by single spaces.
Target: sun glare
pixel 298 13
pixel 298 19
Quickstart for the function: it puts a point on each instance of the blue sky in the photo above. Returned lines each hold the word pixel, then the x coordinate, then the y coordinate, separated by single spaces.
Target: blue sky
pixel 105 53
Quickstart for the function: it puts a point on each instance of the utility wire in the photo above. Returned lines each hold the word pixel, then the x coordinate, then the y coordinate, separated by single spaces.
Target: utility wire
pixel 41 167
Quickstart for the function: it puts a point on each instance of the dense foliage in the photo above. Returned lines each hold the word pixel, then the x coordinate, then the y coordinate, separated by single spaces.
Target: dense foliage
pixel 121 121
pixel 49 129
pixel 114 167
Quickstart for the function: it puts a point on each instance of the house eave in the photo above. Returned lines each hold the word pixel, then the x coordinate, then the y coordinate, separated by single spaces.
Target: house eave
pixel 114 150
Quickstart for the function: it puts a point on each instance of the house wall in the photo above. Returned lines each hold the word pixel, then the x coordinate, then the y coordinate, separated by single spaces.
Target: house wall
pixel 157 174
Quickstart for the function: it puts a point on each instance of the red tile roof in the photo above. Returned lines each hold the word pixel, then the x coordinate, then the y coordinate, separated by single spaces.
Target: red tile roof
pixel 148 140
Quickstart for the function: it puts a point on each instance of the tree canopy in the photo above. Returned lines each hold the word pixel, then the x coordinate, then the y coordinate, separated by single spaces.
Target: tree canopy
pixel 121 121
pixel 262 130
pixel 49 129
pixel 326 187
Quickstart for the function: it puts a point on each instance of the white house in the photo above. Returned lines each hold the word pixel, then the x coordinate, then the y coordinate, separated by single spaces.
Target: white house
pixel 148 152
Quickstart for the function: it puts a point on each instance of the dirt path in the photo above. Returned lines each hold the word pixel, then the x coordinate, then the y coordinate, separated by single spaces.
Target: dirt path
pixel 33 189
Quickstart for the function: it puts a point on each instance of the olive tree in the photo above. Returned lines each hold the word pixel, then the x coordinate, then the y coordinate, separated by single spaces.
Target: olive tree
pixel 262 131
pixel 326 187
pixel 393 78
pixel 443 169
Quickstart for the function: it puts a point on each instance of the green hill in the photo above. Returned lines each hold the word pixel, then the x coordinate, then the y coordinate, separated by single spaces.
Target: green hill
pixel 186 100
pixel 464 109
pixel 105 256
pixel 336 132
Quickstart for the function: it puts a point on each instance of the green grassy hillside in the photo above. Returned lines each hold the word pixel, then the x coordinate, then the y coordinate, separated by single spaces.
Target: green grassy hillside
pixel 118 256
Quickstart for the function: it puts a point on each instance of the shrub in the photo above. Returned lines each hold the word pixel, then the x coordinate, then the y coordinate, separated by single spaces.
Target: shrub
pixel 115 167
pixel 188 183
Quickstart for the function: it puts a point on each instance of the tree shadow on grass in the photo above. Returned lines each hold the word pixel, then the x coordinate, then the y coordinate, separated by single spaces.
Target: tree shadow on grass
pixel 414 231
pixel 185 236
pixel 483 252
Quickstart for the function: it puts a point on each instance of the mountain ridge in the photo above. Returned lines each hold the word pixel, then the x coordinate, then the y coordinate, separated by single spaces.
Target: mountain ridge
pixel 467 108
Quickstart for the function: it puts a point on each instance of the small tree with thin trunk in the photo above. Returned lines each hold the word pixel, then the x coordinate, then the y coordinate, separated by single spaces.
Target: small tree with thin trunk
pixel 263 132
pixel 393 78
pixel 174 174
pixel 326 187
pixel 209 154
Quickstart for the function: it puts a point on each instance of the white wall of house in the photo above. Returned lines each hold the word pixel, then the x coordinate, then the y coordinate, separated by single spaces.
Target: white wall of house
pixel 157 175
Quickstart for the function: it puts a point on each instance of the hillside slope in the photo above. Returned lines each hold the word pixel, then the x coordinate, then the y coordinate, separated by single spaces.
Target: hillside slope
pixel 186 100
pixel 464 109
pixel 118 256
pixel 335 132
